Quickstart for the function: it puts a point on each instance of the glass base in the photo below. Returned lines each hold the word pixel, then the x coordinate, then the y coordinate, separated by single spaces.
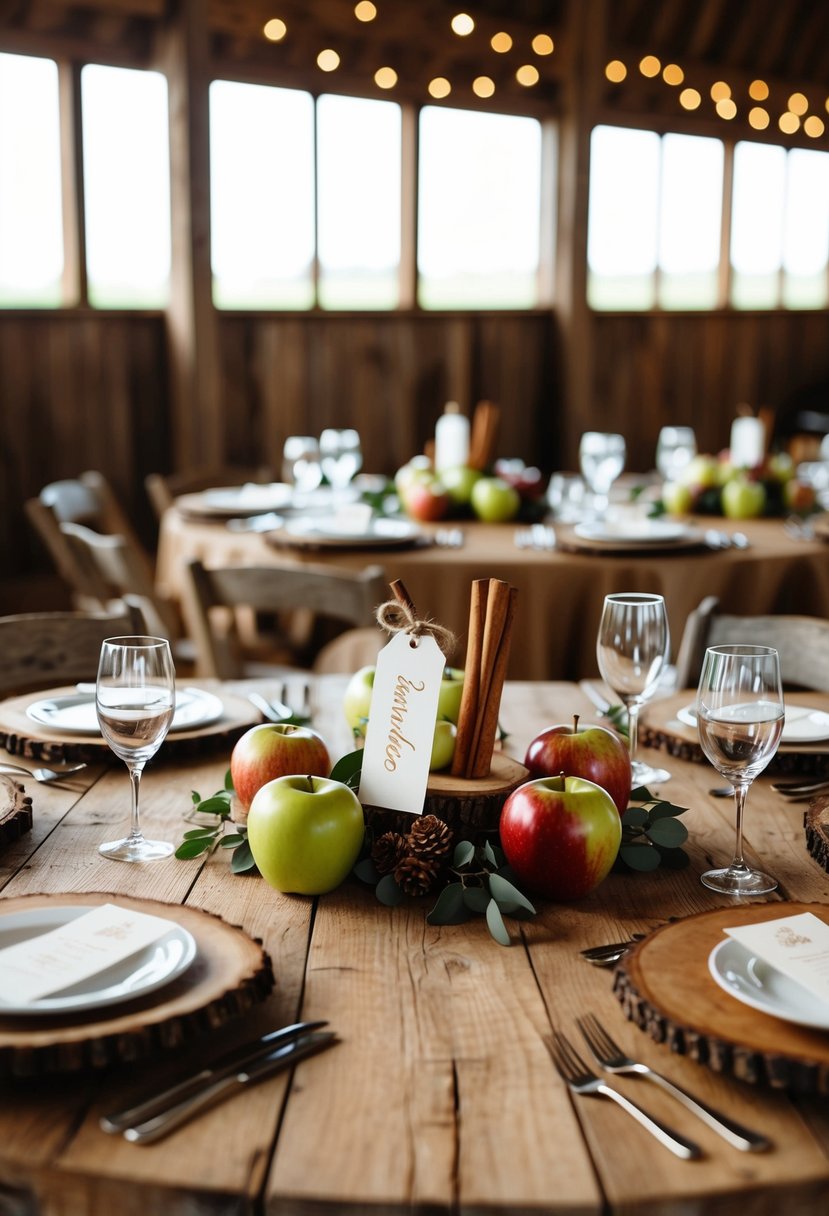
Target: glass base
pixel 644 774
pixel 733 880
pixel 135 848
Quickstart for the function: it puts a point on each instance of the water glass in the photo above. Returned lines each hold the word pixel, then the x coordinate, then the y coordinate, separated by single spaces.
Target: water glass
pixel 676 447
pixel 135 698
pixel 341 456
pixel 740 713
pixel 301 462
pixel 601 459
pixel 632 650
pixel 565 496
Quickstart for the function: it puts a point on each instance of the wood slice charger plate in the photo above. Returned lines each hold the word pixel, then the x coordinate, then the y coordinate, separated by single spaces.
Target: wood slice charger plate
pixel 21 736
pixel 231 973
pixel 15 810
pixel 665 987
pixel 661 728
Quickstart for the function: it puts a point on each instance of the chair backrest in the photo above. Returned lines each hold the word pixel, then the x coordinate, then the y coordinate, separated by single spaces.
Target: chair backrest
pixel 338 595
pixel 801 641
pixel 110 569
pixel 45 649
pixel 89 501
pixel 163 488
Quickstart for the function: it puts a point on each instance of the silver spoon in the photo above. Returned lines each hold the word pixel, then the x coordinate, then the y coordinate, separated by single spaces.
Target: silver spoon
pixel 45 775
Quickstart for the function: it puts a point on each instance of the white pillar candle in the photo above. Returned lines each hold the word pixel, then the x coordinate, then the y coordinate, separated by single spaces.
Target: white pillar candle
pixel 451 438
pixel 748 442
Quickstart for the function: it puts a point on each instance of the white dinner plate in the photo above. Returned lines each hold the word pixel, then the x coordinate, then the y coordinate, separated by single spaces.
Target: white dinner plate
pixel 329 530
pixel 148 969
pixel 626 532
pixel 75 712
pixel 754 982
pixel 249 499
pixel 800 725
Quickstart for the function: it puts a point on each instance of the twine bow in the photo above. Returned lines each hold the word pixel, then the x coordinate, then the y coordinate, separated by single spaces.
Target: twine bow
pixel 397 617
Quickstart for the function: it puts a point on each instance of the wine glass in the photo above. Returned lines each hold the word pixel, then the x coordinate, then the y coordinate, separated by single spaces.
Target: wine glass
pixel 135 696
pixel 341 457
pixel 740 714
pixel 675 448
pixel 602 459
pixel 632 649
pixel 301 462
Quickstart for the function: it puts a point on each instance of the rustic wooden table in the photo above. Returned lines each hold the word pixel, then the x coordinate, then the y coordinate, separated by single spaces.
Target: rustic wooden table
pixel 441 1096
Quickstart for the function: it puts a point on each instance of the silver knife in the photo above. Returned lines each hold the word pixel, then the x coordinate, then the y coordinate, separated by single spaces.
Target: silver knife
pixel 229 1061
pixel 225 1083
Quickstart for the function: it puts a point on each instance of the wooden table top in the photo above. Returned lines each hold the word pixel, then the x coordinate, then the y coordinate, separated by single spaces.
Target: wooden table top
pixel 441 1094
pixel 560 593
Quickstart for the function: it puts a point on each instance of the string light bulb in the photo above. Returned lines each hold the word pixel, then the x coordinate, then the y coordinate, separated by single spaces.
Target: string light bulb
pixel 483 86
pixel 814 126
pixel 758 118
pixel 758 90
pixel 615 71
pixel 788 122
pixel 650 66
pixel 275 30
pixel 328 60
pixel 673 74
pixel 365 11
pixel 501 43
pixel 462 24
pixel 798 103
pixel 385 78
pixel 527 75
pixel 439 87
pixel 690 99
pixel 720 91
pixel 543 44
pixel 726 108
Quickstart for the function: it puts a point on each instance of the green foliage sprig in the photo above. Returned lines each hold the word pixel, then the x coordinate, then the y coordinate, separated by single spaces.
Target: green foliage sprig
pixel 652 835
pixel 209 836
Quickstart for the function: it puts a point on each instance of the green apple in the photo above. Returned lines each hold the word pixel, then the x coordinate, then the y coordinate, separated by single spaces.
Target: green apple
pixel 743 499
pixel 677 499
pixel 494 500
pixel 701 472
pixel 305 833
pixel 357 699
pixel 443 745
pixel 451 691
pixel 459 483
pixel 781 466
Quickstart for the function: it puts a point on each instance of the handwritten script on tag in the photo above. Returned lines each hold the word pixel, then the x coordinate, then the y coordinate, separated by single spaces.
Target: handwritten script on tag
pixel 401 724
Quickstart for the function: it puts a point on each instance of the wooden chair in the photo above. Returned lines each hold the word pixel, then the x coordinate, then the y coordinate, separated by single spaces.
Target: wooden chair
pixel 45 649
pixel 88 501
pixel 339 596
pixel 164 488
pixel 801 641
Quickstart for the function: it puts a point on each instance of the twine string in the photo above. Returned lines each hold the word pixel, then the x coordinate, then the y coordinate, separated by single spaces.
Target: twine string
pixel 395 617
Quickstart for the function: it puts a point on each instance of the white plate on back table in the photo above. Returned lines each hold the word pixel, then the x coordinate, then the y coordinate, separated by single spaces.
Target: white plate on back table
pixel 800 725
pixel 327 530
pixel 756 983
pixel 75 712
pixel 145 971
pixel 627 532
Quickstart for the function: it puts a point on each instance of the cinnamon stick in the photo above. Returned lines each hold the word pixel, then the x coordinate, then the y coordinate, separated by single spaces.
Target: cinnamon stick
pixel 467 715
pixel 398 590
pixel 497 607
pixel 488 711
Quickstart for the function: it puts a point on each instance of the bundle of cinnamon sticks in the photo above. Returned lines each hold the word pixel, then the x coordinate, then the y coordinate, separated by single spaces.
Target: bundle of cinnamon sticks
pixel 485 420
pixel 491 613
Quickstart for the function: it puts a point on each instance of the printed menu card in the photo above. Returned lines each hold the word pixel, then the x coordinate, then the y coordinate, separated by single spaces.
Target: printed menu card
pixel 798 946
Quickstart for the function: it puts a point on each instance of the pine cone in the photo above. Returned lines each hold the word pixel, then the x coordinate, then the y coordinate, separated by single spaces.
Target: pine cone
pixel 415 875
pixel 430 838
pixel 387 850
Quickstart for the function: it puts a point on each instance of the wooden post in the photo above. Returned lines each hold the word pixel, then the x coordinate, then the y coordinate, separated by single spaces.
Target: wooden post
pixel 74 286
pixel 195 365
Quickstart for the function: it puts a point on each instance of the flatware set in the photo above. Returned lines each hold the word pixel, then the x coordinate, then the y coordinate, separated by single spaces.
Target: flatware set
pixel 47 776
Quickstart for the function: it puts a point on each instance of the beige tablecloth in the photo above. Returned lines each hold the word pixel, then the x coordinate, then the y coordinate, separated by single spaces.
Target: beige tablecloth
pixel 560 593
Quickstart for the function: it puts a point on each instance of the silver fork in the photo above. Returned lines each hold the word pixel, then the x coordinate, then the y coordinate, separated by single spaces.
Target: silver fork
pixel 45 775
pixel 611 1057
pixel 578 1077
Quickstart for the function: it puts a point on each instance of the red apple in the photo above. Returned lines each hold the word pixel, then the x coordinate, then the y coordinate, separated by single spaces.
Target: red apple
pixel 426 500
pixel 275 749
pixel 593 753
pixel 560 835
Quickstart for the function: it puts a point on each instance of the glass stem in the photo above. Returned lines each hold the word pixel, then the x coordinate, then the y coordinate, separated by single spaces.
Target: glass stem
pixel 633 728
pixel 740 791
pixel 135 771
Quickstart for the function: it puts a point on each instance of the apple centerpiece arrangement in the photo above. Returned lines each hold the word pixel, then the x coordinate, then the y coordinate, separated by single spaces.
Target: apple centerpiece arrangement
pixel 594 753
pixel 305 833
pixel 275 749
pixel 510 490
pixel 561 835
pixel 713 485
pixel 357 702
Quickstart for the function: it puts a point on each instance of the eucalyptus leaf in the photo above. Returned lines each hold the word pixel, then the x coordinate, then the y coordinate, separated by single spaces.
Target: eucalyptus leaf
pixel 195 797
pixel 242 859
pixel 507 894
pixel 367 871
pixel 640 857
pixel 217 805
pixel 198 833
pixel 642 794
pixel 670 833
pixel 463 854
pixel 674 859
pixel 476 898
pixel 634 816
pixel 194 848
pixel 493 855
pixel 232 840
pixel 348 768
pixel 665 810
pixel 495 921
pixel 450 908
pixel 388 892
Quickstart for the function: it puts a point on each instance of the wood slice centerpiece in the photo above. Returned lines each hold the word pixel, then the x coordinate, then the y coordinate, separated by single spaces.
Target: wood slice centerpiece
pixel 230 974
pixel 664 986
pixel 816 823
pixel 15 811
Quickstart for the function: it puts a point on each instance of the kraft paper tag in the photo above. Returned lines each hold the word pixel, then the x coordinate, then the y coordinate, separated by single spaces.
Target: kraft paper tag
pixel 796 945
pixel 76 951
pixel 401 724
